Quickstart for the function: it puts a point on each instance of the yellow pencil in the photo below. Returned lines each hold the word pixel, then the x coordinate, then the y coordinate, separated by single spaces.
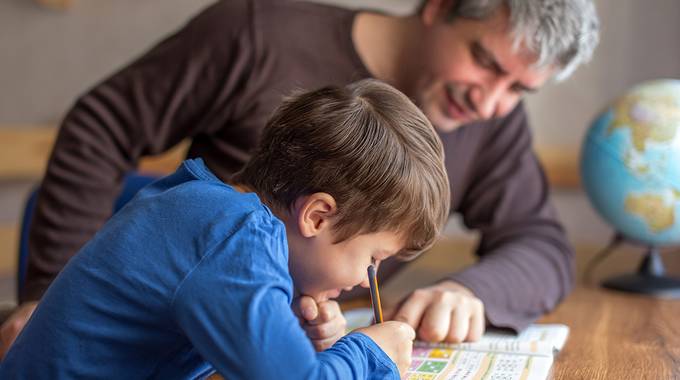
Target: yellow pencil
pixel 375 294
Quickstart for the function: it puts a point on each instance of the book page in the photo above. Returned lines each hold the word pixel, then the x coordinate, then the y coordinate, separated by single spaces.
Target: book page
pixel 498 355
pixel 503 346
pixel 554 334
pixel 451 364
pixel 537 339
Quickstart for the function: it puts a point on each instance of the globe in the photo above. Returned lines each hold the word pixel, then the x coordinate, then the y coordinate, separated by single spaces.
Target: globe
pixel 630 163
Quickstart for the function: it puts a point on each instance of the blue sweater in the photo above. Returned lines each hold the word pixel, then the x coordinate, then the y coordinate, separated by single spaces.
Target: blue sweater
pixel 190 277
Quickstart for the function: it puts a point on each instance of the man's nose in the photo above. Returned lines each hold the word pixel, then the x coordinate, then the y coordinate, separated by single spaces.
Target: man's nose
pixel 486 99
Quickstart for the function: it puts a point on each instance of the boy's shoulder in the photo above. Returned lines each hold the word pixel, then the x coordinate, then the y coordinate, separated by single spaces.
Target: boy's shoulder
pixel 194 195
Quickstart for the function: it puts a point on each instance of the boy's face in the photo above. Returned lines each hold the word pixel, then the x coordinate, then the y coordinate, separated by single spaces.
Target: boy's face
pixel 322 269
pixel 469 69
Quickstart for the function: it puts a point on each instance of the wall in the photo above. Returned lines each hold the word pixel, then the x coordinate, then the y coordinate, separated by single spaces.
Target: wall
pixel 49 57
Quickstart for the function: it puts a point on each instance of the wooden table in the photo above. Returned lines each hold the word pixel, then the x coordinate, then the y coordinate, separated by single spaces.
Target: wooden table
pixel 617 336
pixel 613 336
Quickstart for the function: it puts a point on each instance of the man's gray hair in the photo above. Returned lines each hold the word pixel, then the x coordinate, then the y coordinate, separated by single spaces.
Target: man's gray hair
pixel 561 32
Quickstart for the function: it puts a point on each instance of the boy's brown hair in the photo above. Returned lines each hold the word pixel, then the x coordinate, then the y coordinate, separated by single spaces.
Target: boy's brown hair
pixel 370 148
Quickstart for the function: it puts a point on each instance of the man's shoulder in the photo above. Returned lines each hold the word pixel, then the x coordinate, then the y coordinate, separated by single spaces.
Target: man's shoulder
pixel 257 26
pixel 229 12
pixel 292 20
pixel 193 196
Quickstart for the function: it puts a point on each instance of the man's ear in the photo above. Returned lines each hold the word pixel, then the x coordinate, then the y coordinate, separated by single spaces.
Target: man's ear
pixel 435 9
pixel 315 213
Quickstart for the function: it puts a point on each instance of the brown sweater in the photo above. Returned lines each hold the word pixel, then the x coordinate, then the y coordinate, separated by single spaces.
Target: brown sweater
pixel 218 79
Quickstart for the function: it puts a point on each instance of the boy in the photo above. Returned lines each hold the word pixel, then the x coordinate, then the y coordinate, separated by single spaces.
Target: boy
pixel 197 273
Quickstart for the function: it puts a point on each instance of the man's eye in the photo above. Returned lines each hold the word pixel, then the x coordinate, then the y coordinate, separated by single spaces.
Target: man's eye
pixel 482 59
pixel 517 89
pixel 484 62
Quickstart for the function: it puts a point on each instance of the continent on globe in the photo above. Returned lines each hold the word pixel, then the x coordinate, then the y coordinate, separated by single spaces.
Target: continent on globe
pixel 650 117
pixel 653 208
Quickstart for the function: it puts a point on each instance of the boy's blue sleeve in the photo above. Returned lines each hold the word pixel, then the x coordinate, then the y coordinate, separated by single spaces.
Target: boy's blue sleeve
pixel 234 307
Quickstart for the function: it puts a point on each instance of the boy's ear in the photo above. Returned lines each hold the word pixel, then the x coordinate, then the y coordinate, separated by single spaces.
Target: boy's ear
pixel 434 9
pixel 314 213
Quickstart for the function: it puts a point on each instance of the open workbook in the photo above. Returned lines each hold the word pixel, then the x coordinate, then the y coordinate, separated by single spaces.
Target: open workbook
pixel 498 355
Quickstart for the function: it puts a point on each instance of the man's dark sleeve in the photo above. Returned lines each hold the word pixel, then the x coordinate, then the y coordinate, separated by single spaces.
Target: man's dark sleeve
pixel 182 87
pixel 526 265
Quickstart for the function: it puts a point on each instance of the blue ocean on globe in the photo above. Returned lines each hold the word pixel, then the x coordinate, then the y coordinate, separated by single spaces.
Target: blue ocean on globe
pixel 630 163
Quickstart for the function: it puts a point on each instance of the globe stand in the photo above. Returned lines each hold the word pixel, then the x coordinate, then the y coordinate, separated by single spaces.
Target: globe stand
pixel 649 279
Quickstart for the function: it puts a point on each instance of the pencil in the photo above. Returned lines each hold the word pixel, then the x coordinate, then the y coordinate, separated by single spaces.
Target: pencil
pixel 375 294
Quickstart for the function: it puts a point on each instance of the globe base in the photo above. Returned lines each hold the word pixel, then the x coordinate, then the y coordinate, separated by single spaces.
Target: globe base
pixel 649 280
pixel 657 286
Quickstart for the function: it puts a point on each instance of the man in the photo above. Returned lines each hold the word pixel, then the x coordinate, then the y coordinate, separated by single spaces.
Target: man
pixel 466 63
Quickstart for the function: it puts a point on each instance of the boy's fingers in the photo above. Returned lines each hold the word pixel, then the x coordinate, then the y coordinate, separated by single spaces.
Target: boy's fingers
pixel 334 327
pixel 408 331
pixel 320 345
pixel 306 308
pixel 328 310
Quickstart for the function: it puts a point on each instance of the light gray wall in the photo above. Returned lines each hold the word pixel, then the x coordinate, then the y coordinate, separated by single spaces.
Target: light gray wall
pixel 639 41
pixel 48 57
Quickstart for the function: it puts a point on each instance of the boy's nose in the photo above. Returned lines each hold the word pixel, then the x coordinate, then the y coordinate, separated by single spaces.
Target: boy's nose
pixel 365 284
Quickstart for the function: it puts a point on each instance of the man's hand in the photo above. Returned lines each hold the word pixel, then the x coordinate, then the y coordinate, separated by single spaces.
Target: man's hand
pixel 446 312
pixel 323 322
pixel 14 324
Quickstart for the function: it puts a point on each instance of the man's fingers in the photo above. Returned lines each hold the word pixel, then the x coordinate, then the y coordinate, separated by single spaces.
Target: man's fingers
pixel 444 312
pixel 477 322
pixel 460 323
pixel 14 324
pixel 411 311
pixel 436 321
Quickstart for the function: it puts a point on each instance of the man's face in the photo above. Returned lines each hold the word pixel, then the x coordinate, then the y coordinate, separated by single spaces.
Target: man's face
pixel 470 70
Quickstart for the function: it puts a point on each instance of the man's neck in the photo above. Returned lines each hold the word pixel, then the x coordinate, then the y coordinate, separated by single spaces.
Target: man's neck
pixel 384 44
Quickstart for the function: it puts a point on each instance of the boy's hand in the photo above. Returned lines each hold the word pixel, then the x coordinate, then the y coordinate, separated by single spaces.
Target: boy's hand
pixel 396 339
pixel 14 324
pixel 446 312
pixel 323 322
